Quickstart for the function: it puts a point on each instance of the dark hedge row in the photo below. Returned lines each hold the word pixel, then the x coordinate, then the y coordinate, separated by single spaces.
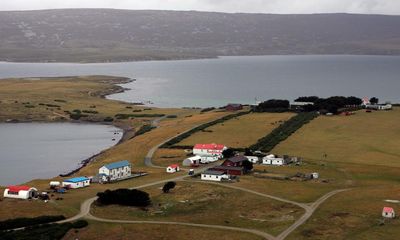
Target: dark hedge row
pixel 187 134
pixel 25 222
pixel 43 232
pixel 126 116
pixel 144 129
pixel 282 132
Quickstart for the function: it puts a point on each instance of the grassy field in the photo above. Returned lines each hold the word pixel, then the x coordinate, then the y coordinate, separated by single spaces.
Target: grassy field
pixel 201 203
pixel 239 132
pixel 100 231
pixel 364 138
pixel 363 150
pixel 165 157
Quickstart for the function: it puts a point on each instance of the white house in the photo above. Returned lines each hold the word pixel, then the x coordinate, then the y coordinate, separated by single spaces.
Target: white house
pixel 253 159
pixel 215 176
pixel 115 171
pixel 173 168
pixel 209 159
pixel 54 184
pixel 273 160
pixel 210 150
pixel 78 182
pixel 192 161
pixel 20 192
pixel 386 106
pixel 315 175
pixel 388 212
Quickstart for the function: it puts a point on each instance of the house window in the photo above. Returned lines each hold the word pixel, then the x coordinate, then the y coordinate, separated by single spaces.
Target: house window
pixel 12 193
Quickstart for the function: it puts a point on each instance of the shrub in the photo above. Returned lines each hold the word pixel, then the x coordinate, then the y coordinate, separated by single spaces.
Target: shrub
pixel 60 100
pixel 144 129
pixel 282 132
pixel 126 116
pixel 24 222
pixel 108 119
pixel 124 197
pixel 273 105
pixel 90 111
pixel 207 109
pixel 168 186
pixel 172 116
pixel 80 224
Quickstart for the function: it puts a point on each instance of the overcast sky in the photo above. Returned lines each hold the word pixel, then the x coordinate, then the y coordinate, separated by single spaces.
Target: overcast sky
pixel 262 6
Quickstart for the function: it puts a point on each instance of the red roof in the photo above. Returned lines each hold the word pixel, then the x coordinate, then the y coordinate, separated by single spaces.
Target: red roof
pixel 211 146
pixel 18 188
pixel 388 209
pixel 174 166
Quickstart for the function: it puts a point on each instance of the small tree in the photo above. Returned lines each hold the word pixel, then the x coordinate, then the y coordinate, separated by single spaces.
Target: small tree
pixel 168 186
pixel 228 153
pixel 374 100
pixel 247 165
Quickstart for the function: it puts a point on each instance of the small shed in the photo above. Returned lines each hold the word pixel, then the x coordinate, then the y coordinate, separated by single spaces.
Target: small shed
pixel 20 192
pixel 78 182
pixel 215 176
pixel 253 159
pixel 234 107
pixel 173 168
pixel 192 161
pixel 54 184
pixel 315 175
pixel 388 212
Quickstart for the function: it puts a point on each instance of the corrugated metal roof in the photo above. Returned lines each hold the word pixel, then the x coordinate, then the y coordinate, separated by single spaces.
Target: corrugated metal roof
pixel 18 188
pixel 211 172
pixel 117 165
pixel 77 179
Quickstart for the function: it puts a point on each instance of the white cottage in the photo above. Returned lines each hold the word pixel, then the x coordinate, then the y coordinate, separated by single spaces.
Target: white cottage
pixel 388 212
pixel 173 168
pixel 208 159
pixel 192 161
pixel 20 192
pixel 273 160
pixel 115 171
pixel 215 176
pixel 211 150
pixel 78 182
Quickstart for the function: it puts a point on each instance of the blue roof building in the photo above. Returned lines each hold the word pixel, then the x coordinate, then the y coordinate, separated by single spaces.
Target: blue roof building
pixel 115 165
pixel 77 179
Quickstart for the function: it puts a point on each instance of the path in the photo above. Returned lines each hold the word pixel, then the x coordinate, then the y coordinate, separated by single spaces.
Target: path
pixel 309 208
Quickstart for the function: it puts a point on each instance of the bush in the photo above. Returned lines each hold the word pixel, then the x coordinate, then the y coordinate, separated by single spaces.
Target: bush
pixel 273 105
pixel 282 132
pixel 108 119
pixel 80 224
pixel 90 111
pixel 168 186
pixel 144 129
pixel 207 109
pixel 126 116
pixel 60 100
pixel 172 116
pixel 24 222
pixel 125 197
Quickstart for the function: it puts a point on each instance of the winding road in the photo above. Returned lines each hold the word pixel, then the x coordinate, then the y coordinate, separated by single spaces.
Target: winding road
pixel 309 208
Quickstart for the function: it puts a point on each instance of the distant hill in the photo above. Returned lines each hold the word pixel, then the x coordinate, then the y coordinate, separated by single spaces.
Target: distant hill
pixel 98 35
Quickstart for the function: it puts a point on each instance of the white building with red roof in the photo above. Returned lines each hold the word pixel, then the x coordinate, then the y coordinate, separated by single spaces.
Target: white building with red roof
pixel 20 192
pixel 209 150
pixel 173 168
pixel 388 212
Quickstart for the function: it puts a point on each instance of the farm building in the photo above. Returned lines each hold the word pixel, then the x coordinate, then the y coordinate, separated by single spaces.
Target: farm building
pixel 273 160
pixel 216 176
pixel 253 159
pixel 115 171
pixel 234 107
pixel 211 150
pixel 78 182
pixel 379 106
pixel 192 161
pixel 236 161
pixel 208 159
pixel 20 192
pixel 388 212
pixel 234 171
pixel 173 168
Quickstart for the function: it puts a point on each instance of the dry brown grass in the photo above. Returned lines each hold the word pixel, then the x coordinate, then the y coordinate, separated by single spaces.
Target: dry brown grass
pixel 239 132
pixel 153 232
pixel 202 203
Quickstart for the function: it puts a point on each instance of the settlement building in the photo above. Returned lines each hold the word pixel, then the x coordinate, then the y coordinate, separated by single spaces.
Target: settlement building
pixel 234 107
pixel 236 161
pixel 253 159
pixel 115 171
pixel 234 171
pixel 78 182
pixel 379 106
pixel 192 161
pixel 20 192
pixel 209 150
pixel 173 168
pixel 273 160
pixel 388 212
pixel 216 176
